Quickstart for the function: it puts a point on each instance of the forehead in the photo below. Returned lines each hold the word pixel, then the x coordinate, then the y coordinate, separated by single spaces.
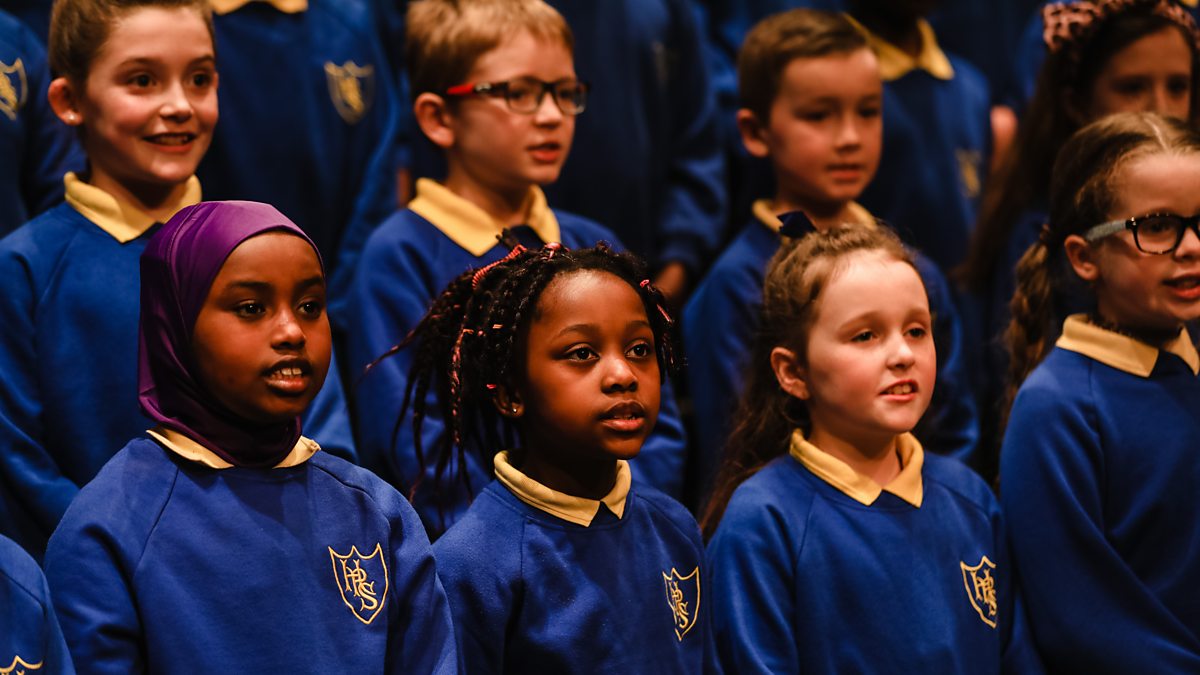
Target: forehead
pixel 270 257
pixel 871 282
pixel 157 33
pixel 845 75
pixel 523 54
pixel 1163 50
pixel 1158 182
pixel 588 297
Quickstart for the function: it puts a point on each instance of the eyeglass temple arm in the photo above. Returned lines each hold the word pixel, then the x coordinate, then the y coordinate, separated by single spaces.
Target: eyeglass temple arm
pixel 1104 229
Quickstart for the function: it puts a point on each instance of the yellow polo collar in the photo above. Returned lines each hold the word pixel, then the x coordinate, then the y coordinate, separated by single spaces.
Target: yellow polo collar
pixel 576 510
pixel 192 451
pixel 120 219
pixel 764 212
pixel 907 485
pixel 285 6
pixel 1121 351
pixel 895 63
pixel 470 226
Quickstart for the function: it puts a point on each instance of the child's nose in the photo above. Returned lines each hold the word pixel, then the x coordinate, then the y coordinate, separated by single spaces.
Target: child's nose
pixel 901 355
pixel 849 135
pixel 619 375
pixel 176 103
pixel 288 333
pixel 547 111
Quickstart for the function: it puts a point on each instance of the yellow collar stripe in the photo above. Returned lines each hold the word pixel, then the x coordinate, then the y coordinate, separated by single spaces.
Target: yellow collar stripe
pixel 470 226
pixel 194 452
pixel 285 6
pixel 907 485
pixel 120 219
pixel 576 510
pixel 1121 351
pixel 895 63
pixel 764 211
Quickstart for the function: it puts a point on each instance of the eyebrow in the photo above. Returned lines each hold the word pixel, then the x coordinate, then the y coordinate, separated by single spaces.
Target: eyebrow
pixel 254 285
pixel 150 61
pixel 589 327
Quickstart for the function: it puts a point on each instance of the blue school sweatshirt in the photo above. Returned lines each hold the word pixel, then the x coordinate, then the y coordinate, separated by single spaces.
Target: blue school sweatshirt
pixel 540 581
pixel 818 569
pixel 70 296
pixel 36 148
pixel 1099 474
pixel 173 561
pixel 937 135
pixel 405 265
pixel 30 638
pixel 722 317
pixel 308 109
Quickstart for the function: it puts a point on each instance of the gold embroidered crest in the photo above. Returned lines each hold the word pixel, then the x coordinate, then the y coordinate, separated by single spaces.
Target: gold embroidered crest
pixel 683 597
pixel 13 91
pixel 352 88
pixel 981 589
pixel 20 666
pixel 362 581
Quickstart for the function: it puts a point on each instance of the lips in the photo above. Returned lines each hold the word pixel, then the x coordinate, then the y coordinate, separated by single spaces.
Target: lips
pixel 548 152
pixel 1185 286
pixel 172 142
pixel 846 171
pixel 290 377
pixel 903 389
pixel 625 417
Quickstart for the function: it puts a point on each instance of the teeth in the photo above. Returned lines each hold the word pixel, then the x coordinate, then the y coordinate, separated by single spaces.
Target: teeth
pixel 171 139
pixel 290 371
pixel 900 389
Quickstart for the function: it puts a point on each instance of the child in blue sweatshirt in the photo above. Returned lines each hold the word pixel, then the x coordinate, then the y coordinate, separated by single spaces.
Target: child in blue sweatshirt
pixel 222 540
pixel 1098 468
pixel 838 545
pixel 494 89
pixel 30 638
pixel 139 81
pixel 566 563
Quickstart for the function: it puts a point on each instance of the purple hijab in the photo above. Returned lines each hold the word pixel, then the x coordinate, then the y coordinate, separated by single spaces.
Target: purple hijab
pixel 179 265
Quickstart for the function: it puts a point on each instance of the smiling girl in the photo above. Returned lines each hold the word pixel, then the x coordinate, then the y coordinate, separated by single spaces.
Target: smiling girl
pixel 839 545
pixel 138 80
pixel 553 360
pixel 222 540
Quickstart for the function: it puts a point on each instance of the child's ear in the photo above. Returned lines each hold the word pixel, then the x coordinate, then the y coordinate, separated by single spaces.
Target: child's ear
pixel 434 119
pixel 64 100
pixel 1082 257
pixel 753 133
pixel 789 373
pixel 508 402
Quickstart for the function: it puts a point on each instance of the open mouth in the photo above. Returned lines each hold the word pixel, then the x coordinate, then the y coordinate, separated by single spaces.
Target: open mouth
pixel 290 377
pixel 904 388
pixel 171 140
pixel 628 416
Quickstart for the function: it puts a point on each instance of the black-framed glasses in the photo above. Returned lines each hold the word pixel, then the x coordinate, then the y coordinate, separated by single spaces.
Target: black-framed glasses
pixel 524 94
pixel 1154 233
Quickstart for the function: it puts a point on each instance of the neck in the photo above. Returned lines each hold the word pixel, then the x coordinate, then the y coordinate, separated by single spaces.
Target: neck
pixel 823 216
pixel 904 33
pixel 157 199
pixel 1151 335
pixel 589 479
pixel 877 459
pixel 507 206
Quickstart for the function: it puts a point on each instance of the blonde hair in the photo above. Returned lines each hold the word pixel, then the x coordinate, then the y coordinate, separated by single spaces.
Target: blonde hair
pixel 445 38
pixel 79 29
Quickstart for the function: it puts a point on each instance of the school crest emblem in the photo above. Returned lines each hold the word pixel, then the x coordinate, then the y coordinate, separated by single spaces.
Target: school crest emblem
pixel 14 89
pixel 683 597
pixel 352 88
pixel 981 589
pixel 20 667
pixel 361 580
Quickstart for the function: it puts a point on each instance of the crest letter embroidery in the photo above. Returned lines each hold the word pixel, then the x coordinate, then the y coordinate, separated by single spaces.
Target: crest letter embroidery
pixel 683 597
pixel 359 579
pixel 13 90
pixel 352 88
pixel 981 589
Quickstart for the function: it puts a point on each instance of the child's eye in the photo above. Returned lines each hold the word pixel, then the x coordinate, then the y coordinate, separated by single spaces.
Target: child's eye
pixel 202 79
pixel 641 350
pixel 917 332
pixel 863 336
pixel 870 112
pixel 249 309
pixel 312 308
pixel 581 354
pixel 1179 86
pixel 814 115
pixel 141 80
pixel 1130 87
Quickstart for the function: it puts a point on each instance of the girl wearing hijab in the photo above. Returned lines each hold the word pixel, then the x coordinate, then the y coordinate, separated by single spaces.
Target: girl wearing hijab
pixel 223 540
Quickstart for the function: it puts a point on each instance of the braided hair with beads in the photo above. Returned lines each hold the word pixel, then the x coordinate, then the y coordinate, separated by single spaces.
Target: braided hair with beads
pixel 468 345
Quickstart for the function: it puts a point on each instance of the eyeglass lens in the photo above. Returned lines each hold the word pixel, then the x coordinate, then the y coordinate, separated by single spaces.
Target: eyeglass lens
pixel 524 95
pixel 1161 233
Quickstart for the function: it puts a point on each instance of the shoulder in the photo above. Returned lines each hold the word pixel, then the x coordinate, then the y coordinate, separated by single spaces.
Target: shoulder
pixel 739 271
pixel 776 496
pixel 355 479
pixel 352 15
pixel 970 79
pixel 666 510
pixel 955 478
pixel 16 35
pixel 20 571
pixel 491 530
pixel 1061 381
pixel 578 231
pixel 47 235
pixel 403 227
